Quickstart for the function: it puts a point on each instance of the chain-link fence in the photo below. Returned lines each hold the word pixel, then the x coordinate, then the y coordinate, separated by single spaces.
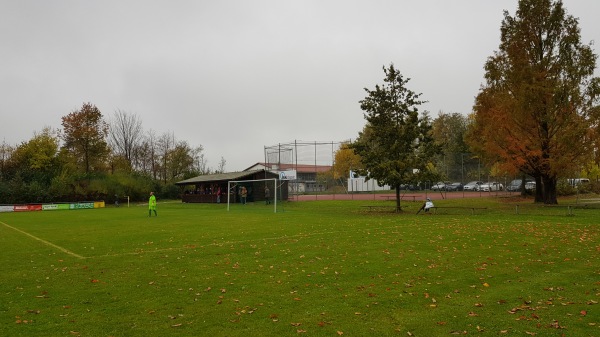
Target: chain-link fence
pixel 310 164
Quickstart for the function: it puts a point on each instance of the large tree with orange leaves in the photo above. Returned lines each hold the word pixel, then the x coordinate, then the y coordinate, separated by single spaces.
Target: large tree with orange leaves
pixel 537 110
pixel 84 136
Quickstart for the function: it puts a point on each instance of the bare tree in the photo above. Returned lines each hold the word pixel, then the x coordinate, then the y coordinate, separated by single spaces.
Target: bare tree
pixel 221 167
pixel 165 145
pixel 145 158
pixel 202 164
pixel 125 135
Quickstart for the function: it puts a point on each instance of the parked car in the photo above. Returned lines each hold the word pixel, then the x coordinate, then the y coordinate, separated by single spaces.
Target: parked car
pixel 578 181
pixel 410 187
pixel 491 186
pixel 454 187
pixel 515 185
pixel 472 186
pixel 530 186
pixel 439 186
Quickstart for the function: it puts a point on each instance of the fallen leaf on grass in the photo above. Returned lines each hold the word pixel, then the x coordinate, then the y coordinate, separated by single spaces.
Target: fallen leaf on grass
pixel 555 325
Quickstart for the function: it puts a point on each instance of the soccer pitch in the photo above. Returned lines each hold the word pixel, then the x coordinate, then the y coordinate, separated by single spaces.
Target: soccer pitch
pixel 326 268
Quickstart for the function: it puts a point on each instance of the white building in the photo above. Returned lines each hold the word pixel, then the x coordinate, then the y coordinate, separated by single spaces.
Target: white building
pixel 358 183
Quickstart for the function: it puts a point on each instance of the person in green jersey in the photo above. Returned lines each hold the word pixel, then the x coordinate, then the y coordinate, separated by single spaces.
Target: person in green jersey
pixel 152 204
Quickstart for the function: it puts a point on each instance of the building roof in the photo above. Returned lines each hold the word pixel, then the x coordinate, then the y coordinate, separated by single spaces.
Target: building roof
pixel 218 177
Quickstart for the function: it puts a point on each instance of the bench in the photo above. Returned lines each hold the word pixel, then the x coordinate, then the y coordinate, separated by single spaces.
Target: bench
pixel 374 207
pixel 393 197
pixel 568 207
pixel 435 208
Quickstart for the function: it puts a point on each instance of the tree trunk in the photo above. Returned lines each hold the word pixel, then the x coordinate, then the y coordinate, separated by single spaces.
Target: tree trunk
pixel 523 190
pixel 549 190
pixel 539 189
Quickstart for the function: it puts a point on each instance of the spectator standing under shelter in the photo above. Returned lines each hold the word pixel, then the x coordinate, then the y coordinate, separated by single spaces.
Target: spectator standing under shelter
pixel 243 194
pixel 267 195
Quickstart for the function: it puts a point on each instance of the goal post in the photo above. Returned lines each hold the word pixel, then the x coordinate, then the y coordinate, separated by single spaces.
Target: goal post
pixel 256 190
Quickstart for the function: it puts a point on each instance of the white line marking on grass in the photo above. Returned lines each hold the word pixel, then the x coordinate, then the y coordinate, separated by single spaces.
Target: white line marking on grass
pixel 219 244
pixel 64 250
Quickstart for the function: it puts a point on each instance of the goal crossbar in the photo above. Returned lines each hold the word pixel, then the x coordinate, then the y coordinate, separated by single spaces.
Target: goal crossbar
pixel 236 182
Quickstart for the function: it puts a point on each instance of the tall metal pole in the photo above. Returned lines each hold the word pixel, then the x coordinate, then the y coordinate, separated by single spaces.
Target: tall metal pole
pixel 316 178
pixel 462 171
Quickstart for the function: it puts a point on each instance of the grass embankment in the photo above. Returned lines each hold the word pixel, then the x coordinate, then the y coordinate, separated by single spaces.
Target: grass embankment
pixel 324 268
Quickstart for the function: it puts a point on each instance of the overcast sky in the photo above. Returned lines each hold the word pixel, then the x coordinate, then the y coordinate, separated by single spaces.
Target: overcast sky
pixel 236 76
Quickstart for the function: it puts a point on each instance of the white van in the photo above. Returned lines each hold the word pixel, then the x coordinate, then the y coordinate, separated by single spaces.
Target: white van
pixel 578 181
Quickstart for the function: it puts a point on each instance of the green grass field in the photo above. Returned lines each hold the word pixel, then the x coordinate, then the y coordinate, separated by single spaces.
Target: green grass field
pixel 325 268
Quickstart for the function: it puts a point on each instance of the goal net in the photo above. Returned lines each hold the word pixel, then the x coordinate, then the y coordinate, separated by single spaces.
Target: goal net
pixel 254 192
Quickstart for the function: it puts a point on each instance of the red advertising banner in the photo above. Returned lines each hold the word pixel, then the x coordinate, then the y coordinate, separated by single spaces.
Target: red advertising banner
pixel 27 208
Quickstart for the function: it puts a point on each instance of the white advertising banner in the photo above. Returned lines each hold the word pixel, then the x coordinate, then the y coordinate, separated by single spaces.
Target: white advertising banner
pixel 287 175
pixel 10 208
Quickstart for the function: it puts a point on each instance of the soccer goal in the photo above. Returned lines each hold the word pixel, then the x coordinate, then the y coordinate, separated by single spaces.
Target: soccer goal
pixel 255 191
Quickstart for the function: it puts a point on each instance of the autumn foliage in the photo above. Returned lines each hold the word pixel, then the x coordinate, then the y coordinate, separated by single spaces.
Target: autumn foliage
pixel 537 111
